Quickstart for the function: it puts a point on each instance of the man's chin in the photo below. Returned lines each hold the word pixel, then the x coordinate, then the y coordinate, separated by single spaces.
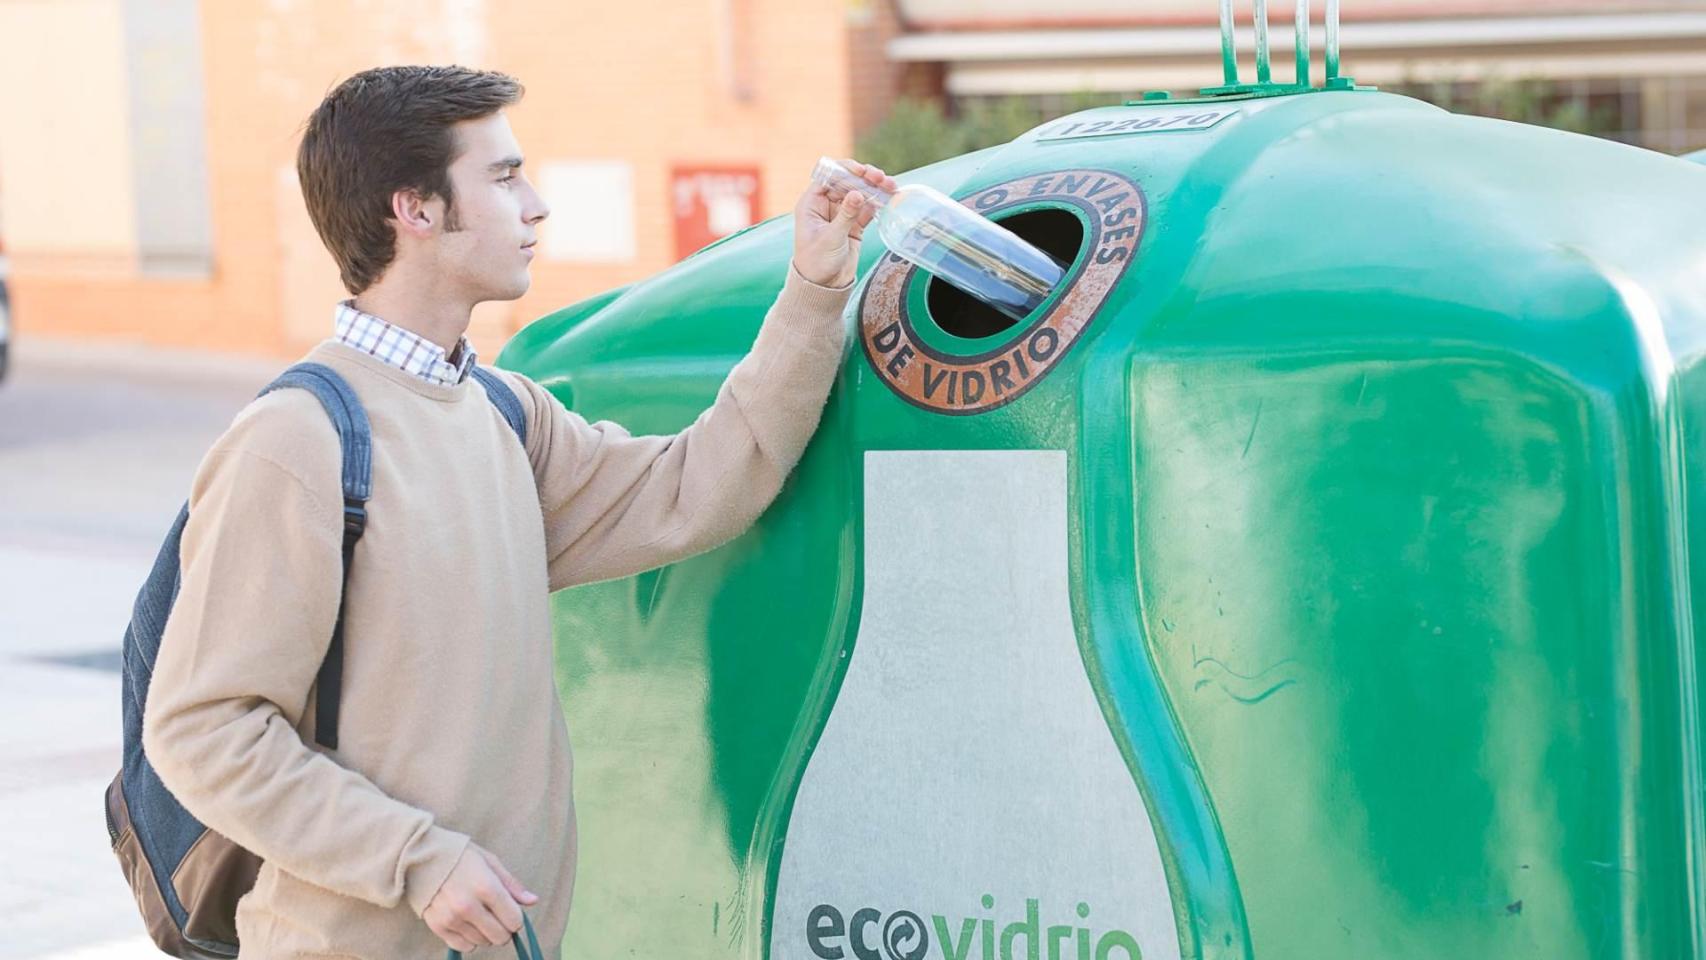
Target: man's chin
pixel 513 291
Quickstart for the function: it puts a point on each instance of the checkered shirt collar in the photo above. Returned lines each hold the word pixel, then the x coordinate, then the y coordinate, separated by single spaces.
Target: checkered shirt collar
pixel 401 349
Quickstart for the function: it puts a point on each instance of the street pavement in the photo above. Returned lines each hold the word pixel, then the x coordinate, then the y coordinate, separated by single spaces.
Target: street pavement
pixel 97 448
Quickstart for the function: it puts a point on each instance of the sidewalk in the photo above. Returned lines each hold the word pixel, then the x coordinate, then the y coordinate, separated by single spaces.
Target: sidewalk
pixel 97 448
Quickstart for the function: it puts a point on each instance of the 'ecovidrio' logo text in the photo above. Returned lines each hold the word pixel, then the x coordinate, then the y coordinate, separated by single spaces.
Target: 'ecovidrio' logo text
pixel 866 933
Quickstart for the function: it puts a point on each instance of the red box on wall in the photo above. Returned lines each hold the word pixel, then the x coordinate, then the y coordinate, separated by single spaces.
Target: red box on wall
pixel 709 203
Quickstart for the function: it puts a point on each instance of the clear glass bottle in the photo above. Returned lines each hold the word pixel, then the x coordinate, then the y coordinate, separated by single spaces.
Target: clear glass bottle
pixel 952 242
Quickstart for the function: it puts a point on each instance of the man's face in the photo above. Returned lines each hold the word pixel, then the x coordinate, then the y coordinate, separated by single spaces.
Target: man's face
pixel 496 212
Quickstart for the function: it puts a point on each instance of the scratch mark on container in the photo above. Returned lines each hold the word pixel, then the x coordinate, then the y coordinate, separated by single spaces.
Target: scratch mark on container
pixel 1252 437
pixel 1247 689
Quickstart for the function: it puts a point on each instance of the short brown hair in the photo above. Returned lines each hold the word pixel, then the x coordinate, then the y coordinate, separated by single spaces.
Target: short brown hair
pixel 381 131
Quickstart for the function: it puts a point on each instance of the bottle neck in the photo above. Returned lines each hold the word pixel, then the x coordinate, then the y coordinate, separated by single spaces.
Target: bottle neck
pixel 839 181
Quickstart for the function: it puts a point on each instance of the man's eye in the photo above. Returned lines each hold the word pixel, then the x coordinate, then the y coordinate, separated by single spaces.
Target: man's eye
pixel 506 178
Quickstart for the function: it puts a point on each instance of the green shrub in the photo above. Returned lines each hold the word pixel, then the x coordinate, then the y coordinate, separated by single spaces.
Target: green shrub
pixel 918 132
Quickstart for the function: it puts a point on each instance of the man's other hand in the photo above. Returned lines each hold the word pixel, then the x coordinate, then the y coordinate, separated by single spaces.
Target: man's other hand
pixel 827 229
pixel 479 904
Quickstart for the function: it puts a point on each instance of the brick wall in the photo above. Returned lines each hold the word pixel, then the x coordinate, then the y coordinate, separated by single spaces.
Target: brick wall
pixel 874 81
pixel 647 83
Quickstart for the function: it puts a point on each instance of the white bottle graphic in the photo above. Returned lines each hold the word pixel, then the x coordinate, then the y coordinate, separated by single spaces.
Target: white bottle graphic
pixel 966 800
pixel 948 240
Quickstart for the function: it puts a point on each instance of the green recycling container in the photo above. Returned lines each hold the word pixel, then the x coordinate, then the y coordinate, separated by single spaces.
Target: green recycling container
pixel 1311 576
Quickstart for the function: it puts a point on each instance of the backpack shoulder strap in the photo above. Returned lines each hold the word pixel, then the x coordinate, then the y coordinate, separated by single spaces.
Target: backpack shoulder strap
pixel 505 400
pixel 355 436
pixel 347 415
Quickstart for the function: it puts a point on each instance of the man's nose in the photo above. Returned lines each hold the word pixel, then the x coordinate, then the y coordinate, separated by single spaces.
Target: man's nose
pixel 539 209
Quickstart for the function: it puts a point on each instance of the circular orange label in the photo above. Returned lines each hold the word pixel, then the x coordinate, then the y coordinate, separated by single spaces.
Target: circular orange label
pixel 963 385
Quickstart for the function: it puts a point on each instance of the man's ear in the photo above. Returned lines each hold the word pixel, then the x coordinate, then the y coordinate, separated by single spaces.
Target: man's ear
pixel 416 214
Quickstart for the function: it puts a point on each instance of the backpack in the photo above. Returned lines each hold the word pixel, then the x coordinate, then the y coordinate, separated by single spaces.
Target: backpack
pixel 187 879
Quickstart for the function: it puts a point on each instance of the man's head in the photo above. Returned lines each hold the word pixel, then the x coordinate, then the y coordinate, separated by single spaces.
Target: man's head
pixel 418 166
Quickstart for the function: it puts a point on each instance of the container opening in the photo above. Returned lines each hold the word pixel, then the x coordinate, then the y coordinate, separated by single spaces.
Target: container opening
pixel 1057 232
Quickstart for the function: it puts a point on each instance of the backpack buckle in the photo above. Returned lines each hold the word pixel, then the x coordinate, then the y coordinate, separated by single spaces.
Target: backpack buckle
pixel 355 521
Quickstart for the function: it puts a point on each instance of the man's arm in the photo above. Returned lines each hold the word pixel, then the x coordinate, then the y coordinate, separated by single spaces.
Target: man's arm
pixel 261 577
pixel 617 504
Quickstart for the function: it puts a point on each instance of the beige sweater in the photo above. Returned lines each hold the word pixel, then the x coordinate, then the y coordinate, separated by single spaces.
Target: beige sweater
pixel 451 726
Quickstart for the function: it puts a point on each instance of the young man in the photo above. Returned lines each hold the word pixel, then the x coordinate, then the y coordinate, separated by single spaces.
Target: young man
pixel 446 807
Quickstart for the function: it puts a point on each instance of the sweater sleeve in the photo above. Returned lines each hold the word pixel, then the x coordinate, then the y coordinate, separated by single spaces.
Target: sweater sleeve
pixel 615 505
pixel 262 574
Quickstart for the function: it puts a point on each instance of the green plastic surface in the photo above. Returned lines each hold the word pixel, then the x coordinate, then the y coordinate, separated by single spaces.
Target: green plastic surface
pixel 1386 472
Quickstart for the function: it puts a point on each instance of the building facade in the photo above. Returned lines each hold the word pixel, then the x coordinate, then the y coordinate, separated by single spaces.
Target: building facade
pixel 147 147
pixel 149 193
pixel 1634 70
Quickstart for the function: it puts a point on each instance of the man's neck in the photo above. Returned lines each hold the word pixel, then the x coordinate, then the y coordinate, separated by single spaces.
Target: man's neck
pixel 439 320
